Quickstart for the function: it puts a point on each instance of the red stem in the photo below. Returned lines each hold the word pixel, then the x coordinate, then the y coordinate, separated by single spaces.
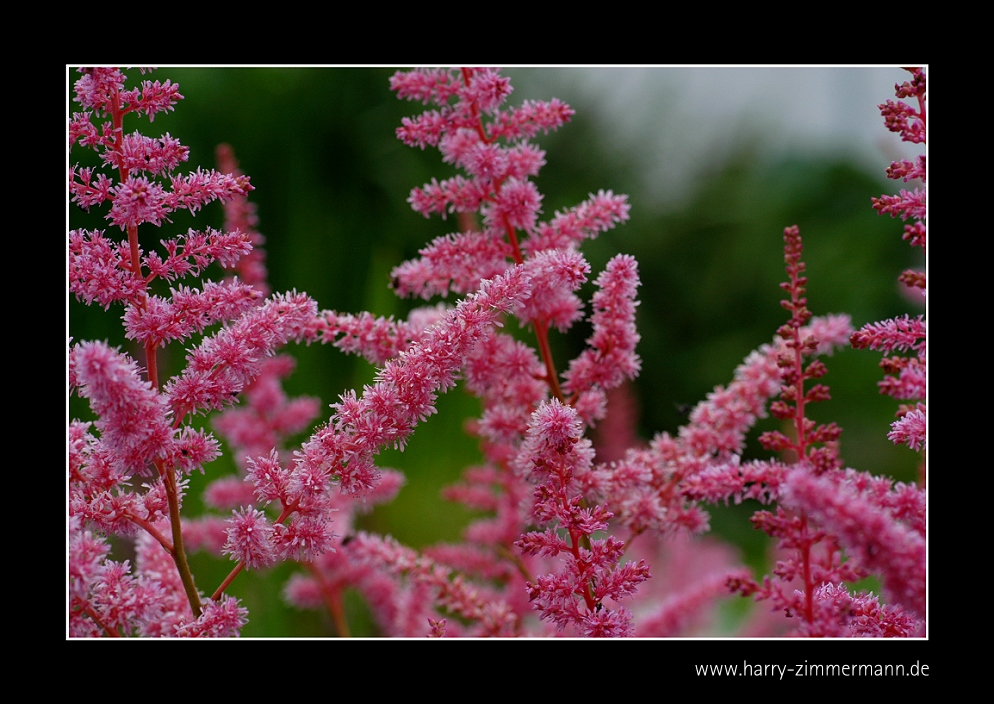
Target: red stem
pixel 179 553
pixel 287 510
pixel 801 445
pixel 540 324
pixel 152 375
pixel 333 602
pixel 227 581
pixel 153 531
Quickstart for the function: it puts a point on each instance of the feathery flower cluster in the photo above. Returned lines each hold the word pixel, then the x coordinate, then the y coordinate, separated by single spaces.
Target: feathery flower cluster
pixel 140 419
pixel 555 457
pixel 134 423
pixel 610 358
pixel 905 374
pixel 432 585
pixel 823 509
pixel 405 389
pixel 664 484
pixel 874 536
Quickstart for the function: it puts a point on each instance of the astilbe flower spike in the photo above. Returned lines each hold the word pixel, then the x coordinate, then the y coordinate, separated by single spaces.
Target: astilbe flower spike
pixel 584 594
pixel 823 509
pixel 222 365
pixel 477 605
pixel 140 421
pixel 906 374
pixel 870 532
pixel 610 358
pixel 811 553
pixel 105 598
pixel 240 216
pixel 660 489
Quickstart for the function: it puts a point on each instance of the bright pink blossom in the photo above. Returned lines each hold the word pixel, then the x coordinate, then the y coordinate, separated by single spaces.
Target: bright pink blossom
pixel 159 321
pixel 240 216
pixel 250 538
pixel 610 357
pixel 597 214
pixel 134 422
pixel 560 542
pixel 906 377
pixel 456 262
pixel 870 534
pixel 580 595
pixel 910 430
pixel 222 365
pixel 405 390
pixel 99 271
pixel 492 616
pixel 220 619
pixel 135 152
pixel 840 614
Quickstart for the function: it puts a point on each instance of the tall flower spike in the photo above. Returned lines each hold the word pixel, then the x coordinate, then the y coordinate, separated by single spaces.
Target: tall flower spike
pixel 905 374
pixel 794 398
pixel 610 357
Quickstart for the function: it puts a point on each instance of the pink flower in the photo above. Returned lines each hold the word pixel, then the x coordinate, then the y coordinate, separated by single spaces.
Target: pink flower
pixel 610 357
pixel 220 619
pixel 870 534
pixel 139 153
pixel 188 311
pixel 581 594
pixel 405 389
pixel 133 419
pixel 138 200
pixel 906 374
pixel 99 271
pixel 597 214
pixel 517 205
pixel 456 262
pixel 222 365
pixel 250 538
pixel 491 615
pixel 910 430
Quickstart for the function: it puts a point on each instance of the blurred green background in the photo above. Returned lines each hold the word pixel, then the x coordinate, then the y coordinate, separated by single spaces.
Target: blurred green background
pixel 331 185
